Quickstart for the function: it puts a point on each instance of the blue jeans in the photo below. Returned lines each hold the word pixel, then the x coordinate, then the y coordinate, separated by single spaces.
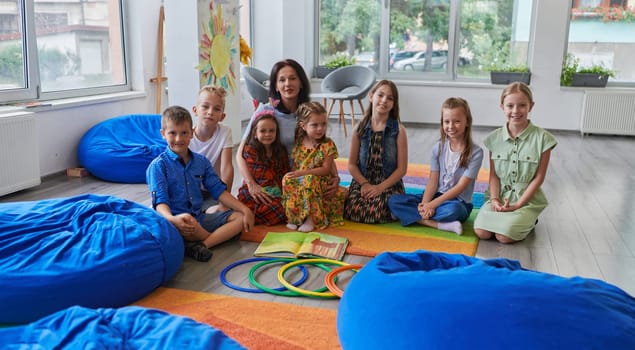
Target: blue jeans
pixel 404 207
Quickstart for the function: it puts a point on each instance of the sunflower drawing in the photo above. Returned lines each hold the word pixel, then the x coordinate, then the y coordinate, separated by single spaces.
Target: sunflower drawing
pixel 216 49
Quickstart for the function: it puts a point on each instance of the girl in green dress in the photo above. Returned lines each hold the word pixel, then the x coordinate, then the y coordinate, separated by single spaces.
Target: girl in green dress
pixel 519 155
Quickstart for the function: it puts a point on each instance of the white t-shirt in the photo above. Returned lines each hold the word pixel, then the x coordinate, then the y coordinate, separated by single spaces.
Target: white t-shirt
pixel 213 147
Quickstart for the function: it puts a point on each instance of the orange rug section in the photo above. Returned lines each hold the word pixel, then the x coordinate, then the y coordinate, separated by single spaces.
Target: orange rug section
pixel 253 323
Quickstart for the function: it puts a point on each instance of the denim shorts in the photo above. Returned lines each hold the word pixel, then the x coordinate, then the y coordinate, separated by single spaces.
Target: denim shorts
pixel 211 222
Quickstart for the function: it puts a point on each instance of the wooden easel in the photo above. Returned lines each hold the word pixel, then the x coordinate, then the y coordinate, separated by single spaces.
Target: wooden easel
pixel 159 79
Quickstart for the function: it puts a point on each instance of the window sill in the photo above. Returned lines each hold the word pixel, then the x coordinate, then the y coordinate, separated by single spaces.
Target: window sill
pixel 64 103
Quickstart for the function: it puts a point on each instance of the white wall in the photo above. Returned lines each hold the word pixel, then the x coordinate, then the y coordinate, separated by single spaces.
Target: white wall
pixel 556 107
pixel 284 28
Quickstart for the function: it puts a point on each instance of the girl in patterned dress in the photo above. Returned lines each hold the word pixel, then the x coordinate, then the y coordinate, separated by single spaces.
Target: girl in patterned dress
pixel 267 161
pixel 304 188
pixel 378 157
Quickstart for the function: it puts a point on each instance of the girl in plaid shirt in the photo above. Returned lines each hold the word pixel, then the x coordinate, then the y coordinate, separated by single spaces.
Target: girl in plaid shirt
pixel 267 161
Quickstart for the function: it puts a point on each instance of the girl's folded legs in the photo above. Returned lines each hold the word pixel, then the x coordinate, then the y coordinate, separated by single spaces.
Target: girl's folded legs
pixel 307 226
pixel 454 226
pixel 291 226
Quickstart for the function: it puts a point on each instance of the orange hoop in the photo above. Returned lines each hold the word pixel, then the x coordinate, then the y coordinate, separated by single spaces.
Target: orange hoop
pixel 329 279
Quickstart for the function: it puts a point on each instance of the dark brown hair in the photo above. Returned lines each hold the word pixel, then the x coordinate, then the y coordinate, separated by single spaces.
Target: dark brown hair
pixel 305 89
pixel 394 112
pixel 278 151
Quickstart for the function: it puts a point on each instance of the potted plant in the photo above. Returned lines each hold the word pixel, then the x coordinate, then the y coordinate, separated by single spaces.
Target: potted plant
pixel 575 75
pixel 594 76
pixel 339 60
pixel 506 73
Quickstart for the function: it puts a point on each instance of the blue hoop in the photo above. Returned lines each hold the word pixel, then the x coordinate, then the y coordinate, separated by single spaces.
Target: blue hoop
pixel 223 275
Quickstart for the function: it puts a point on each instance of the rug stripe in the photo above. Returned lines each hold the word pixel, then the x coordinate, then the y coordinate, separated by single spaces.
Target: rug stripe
pixel 255 324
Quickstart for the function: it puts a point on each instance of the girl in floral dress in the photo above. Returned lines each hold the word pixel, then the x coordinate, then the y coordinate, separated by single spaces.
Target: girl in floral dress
pixel 267 161
pixel 304 199
pixel 378 158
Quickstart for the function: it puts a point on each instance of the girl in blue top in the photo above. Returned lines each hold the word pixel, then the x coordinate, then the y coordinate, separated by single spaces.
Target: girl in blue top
pixel 378 157
pixel 454 166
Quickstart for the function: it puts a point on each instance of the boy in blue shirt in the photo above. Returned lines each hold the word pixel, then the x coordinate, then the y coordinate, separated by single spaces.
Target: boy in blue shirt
pixel 175 178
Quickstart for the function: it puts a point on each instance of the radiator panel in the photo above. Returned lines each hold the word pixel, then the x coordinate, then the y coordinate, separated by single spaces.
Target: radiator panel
pixel 608 112
pixel 19 154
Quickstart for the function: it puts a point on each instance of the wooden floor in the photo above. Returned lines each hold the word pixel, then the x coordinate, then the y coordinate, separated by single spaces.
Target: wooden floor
pixel 588 229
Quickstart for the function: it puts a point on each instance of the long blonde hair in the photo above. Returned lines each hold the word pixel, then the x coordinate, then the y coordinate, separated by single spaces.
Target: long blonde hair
pixel 452 103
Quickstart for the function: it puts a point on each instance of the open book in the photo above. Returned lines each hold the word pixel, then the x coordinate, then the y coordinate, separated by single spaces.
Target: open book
pixel 302 245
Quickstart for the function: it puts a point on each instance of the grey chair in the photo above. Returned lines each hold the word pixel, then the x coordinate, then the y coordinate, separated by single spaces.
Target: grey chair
pixel 348 83
pixel 257 83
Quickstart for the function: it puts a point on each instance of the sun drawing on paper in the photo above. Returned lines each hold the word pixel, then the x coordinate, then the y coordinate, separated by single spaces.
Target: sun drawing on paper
pixel 216 50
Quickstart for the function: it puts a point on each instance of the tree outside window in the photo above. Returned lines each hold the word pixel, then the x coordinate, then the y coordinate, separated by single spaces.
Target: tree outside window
pixel 422 39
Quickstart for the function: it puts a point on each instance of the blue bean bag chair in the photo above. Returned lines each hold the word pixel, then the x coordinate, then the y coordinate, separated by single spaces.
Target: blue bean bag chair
pixel 125 328
pixel 425 300
pixel 120 149
pixel 89 250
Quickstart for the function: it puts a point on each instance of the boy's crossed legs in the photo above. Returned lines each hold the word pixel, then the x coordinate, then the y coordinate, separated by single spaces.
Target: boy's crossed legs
pixel 215 229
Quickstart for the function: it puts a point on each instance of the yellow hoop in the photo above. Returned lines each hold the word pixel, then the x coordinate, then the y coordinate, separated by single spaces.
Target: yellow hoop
pixel 309 293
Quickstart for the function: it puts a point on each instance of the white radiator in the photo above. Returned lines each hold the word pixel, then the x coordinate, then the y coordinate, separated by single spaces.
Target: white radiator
pixel 608 112
pixel 19 155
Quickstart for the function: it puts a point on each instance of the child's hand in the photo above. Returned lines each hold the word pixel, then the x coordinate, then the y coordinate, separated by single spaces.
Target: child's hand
pixel 186 224
pixel 426 210
pixel 256 192
pixel 370 191
pixel 294 174
pixel 507 207
pixel 248 220
pixel 332 187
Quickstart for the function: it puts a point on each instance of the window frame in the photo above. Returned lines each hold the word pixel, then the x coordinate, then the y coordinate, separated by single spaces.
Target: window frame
pixel 32 90
pixel 451 74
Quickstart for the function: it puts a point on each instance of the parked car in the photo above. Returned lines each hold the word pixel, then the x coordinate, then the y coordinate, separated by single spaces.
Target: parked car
pixel 400 55
pixel 417 62
pixel 366 58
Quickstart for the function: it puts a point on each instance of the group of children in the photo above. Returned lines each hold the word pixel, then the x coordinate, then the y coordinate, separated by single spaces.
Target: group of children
pixel 293 179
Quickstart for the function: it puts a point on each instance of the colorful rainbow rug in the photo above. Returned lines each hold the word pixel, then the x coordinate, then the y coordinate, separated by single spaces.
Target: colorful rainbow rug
pixel 255 324
pixel 370 240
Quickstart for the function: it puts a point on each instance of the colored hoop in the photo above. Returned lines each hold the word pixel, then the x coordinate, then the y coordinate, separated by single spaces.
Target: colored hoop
pixel 284 293
pixel 329 279
pixel 223 274
pixel 309 293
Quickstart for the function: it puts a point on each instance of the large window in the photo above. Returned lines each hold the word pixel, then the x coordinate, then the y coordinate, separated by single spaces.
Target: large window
pixel 51 49
pixel 435 39
pixel 602 32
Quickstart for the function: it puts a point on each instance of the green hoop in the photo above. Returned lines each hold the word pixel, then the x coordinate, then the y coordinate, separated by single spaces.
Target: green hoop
pixel 287 293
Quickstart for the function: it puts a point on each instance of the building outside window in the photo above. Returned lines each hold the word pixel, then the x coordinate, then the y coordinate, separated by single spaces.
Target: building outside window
pixel 602 32
pixel 52 49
